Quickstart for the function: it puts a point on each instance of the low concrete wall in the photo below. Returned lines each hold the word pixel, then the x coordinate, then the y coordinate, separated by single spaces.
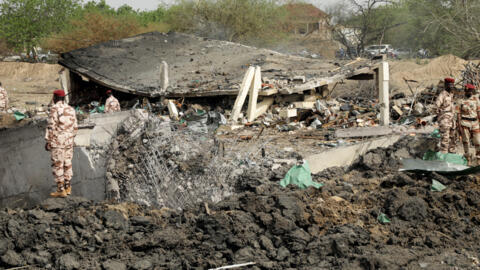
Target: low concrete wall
pixel 25 167
pixel 345 156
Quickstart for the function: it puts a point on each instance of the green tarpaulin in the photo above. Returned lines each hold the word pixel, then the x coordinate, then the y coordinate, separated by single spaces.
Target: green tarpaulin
pixel 437 186
pixel 300 176
pixel 18 115
pixel 382 218
pixel 450 158
pixel 441 167
pixel 99 109
pixel 436 134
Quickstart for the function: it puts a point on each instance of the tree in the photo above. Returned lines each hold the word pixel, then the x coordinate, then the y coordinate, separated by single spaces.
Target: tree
pixel 453 26
pixel 23 23
pixel 363 23
pixel 233 20
pixel 92 28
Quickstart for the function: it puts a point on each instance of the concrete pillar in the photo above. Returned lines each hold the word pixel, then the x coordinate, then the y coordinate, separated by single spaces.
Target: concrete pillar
pixel 242 94
pixel 163 76
pixel 253 95
pixel 384 99
pixel 65 83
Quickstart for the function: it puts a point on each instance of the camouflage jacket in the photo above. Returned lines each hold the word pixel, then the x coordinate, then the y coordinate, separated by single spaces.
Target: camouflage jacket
pixel 62 126
pixel 3 99
pixel 112 105
pixel 469 108
pixel 444 103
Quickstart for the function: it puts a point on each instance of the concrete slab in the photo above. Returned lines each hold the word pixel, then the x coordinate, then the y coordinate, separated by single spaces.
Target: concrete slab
pixel 106 126
pixel 363 132
pixel 345 156
pixel 25 170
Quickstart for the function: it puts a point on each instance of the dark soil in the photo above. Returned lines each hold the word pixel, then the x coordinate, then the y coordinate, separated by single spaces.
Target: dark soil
pixel 335 227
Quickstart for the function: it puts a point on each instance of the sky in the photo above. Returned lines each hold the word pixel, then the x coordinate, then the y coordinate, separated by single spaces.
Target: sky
pixel 153 4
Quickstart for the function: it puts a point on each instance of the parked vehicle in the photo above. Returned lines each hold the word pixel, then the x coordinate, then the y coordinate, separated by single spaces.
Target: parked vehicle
pixel 47 57
pixel 423 53
pixel 41 56
pixel 374 50
pixel 12 58
pixel 402 53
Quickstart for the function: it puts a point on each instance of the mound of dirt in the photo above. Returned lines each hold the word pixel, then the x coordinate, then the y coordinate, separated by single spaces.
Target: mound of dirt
pixel 29 85
pixel 428 74
pixel 21 71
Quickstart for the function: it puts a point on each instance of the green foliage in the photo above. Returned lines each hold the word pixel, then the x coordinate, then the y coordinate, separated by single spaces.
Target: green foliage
pixel 251 21
pixel 97 22
pixel 24 22
pixel 441 26
pixel 92 28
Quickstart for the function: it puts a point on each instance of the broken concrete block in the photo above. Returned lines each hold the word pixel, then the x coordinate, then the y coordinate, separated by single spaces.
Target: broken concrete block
pixel 262 107
pixel 310 98
pixel 172 110
pixel 304 105
pixel 288 113
pixel 299 79
pixel 418 108
pixel 268 92
pixel 398 110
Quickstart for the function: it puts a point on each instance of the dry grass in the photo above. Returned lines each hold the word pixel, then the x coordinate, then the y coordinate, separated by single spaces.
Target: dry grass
pixel 95 27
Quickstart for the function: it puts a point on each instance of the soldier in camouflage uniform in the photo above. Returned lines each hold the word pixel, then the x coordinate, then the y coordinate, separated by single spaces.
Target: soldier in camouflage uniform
pixel 3 99
pixel 446 117
pixel 60 135
pixel 112 104
pixel 468 120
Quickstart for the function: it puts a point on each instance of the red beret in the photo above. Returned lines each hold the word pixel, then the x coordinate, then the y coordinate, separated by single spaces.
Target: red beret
pixel 449 80
pixel 470 86
pixel 109 91
pixel 59 93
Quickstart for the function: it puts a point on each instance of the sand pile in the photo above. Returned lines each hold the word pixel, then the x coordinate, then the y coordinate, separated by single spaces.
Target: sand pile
pixel 20 71
pixel 427 74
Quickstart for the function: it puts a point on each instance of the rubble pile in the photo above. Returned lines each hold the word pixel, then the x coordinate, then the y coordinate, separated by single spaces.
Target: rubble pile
pixel 471 74
pixel 417 110
pixel 337 226
pixel 160 163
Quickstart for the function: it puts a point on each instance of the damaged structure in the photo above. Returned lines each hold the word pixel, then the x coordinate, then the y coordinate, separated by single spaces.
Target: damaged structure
pixel 174 65
pixel 168 69
pixel 236 157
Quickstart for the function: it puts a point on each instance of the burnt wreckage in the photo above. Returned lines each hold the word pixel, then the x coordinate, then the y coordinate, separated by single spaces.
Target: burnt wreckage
pixel 176 65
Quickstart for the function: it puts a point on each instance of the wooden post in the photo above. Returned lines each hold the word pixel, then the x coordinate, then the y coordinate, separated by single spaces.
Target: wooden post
pixel 253 94
pixel 384 99
pixel 242 94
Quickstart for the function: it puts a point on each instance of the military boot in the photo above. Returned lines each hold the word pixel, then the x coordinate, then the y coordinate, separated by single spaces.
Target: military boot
pixel 68 187
pixel 60 193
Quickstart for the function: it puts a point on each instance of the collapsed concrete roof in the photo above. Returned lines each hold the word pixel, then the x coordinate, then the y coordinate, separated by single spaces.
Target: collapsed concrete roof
pixel 197 66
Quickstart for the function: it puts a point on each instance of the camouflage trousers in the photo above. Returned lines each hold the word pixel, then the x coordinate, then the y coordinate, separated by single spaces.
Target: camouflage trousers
pixel 62 165
pixel 471 133
pixel 3 106
pixel 448 143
